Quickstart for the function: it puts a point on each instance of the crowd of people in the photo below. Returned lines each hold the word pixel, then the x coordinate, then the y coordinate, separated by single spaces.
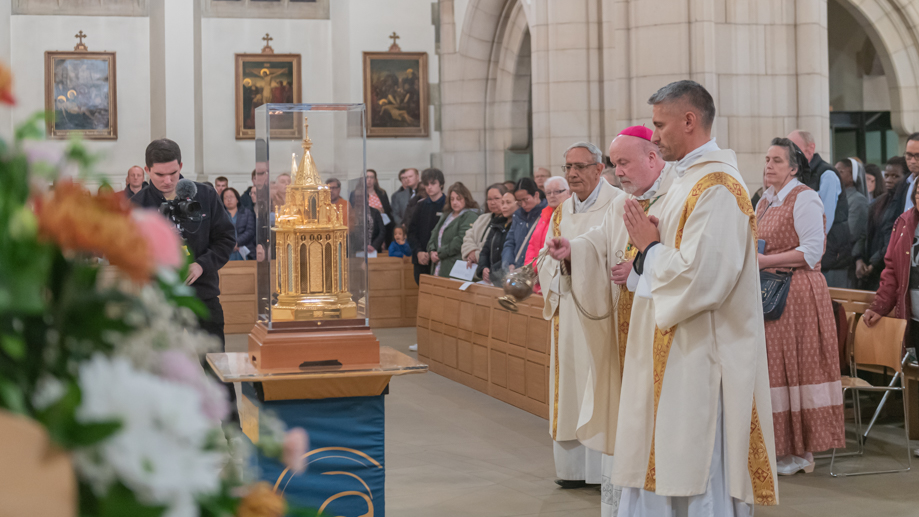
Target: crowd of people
pixel 643 217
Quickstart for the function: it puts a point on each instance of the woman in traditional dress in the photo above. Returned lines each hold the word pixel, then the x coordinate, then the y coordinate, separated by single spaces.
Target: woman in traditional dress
pixel 801 345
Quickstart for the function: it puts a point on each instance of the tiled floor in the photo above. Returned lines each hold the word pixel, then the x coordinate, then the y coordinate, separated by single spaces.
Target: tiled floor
pixel 452 451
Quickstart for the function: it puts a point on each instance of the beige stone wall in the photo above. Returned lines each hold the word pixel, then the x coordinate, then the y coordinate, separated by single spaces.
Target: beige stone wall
pixel 594 64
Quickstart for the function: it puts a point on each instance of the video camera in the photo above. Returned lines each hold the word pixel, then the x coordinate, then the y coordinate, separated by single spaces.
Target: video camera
pixel 183 208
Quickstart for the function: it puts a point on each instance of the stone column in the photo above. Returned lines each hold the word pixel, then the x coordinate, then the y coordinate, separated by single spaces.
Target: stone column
pixel 567 89
pixel 175 74
pixel 812 68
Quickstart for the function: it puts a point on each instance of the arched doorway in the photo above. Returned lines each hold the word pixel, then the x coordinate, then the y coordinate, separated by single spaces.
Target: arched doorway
pixel 872 75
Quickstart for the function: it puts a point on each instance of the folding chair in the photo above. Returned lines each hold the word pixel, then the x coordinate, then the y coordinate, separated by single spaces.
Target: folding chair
pixel 852 318
pixel 880 345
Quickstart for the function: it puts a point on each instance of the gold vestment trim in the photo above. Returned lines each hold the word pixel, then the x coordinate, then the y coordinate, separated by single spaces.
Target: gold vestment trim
pixel 758 465
pixel 664 340
pixel 556 231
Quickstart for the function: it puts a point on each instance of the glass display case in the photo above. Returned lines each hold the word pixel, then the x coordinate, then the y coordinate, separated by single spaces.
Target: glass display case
pixel 313 229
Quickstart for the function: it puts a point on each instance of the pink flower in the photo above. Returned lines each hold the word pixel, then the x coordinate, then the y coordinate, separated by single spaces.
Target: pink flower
pixel 176 366
pixel 295 444
pixel 162 240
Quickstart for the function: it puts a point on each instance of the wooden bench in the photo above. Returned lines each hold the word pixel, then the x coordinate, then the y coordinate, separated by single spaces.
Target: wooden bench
pixel 393 292
pixel 466 336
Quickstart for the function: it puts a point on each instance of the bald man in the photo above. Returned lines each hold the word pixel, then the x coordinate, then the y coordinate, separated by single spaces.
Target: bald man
pixel 540 176
pixel 134 182
pixel 644 176
pixel 825 180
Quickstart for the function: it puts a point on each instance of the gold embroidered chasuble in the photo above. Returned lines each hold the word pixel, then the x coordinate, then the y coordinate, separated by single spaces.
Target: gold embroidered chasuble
pixel 592 256
pixel 698 337
pixel 571 369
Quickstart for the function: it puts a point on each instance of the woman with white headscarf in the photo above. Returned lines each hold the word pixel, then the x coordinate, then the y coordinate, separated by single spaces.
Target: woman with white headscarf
pixel 852 175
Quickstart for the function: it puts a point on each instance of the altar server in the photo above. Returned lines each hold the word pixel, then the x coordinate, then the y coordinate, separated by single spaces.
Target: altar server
pixel 695 417
pixel 569 368
pixel 604 249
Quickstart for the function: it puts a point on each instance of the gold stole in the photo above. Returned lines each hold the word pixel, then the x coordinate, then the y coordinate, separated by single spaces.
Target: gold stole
pixel 556 232
pixel 624 307
pixel 757 458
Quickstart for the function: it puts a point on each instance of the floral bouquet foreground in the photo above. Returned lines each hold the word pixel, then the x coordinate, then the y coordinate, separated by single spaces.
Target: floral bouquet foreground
pixel 109 366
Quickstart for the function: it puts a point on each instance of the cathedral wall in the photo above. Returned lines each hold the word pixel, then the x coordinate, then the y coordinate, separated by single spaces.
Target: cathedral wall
pixel 31 36
pixel 191 82
pixel 596 62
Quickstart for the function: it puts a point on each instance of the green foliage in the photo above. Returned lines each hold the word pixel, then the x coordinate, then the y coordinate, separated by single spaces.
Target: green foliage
pixel 54 316
pixel 119 501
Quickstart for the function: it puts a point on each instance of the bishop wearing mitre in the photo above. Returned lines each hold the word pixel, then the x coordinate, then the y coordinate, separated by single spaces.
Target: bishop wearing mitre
pixel 578 442
pixel 644 176
pixel 695 417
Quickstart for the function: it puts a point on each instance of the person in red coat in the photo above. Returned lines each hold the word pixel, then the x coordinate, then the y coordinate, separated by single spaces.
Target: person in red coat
pixel 556 194
pixel 898 295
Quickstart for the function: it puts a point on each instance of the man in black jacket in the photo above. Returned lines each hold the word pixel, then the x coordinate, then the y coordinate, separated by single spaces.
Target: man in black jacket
pixel 209 241
pixel 424 218
pixel 823 178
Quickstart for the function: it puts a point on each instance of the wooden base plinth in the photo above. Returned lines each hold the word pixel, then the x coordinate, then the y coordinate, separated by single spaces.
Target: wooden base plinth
pixel 289 348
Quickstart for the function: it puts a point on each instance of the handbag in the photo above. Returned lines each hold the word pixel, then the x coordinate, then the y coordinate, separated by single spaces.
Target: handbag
pixel 775 287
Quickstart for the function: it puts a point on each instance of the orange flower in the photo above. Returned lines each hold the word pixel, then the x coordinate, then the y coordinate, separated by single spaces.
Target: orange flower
pixel 6 86
pixel 76 220
pixel 262 501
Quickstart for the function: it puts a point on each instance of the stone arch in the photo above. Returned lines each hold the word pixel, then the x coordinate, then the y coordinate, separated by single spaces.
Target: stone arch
pixel 477 80
pixel 507 101
pixel 891 27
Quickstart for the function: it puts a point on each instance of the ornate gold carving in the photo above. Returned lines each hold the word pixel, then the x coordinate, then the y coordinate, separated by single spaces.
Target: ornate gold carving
pixel 310 224
pixel 758 465
pixel 556 231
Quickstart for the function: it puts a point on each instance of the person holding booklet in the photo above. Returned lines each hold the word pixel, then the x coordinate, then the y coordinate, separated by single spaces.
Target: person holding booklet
pixel 446 241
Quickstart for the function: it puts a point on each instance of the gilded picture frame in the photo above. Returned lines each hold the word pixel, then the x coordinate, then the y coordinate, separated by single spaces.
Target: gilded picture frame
pixel 276 76
pixel 396 94
pixel 81 95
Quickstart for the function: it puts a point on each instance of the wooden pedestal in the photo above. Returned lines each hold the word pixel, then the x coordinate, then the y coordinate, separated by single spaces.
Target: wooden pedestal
pixel 289 348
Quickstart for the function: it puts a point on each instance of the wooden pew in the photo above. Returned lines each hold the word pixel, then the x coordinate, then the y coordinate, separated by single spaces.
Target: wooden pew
pixel 238 296
pixel 393 292
pixel 466 336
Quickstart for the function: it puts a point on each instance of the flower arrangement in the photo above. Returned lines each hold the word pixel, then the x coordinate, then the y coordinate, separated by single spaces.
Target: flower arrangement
pixel 111 369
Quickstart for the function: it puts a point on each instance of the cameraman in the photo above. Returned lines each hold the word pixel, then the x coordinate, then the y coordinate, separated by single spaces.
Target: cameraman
pixel 210 240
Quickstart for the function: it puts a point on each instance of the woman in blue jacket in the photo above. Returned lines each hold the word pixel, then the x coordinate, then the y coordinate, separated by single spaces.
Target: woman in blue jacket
pixel 244 221
pixel 522 224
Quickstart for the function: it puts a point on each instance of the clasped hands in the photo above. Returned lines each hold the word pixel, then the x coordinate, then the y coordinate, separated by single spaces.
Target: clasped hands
pixel 642 230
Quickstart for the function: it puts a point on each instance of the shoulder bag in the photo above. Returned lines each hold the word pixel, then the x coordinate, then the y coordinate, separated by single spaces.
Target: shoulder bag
pixel 775 287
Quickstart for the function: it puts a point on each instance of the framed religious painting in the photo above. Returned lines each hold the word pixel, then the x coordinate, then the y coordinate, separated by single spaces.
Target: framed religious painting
pixel 263 79
pixel 81 95
pixel 396 94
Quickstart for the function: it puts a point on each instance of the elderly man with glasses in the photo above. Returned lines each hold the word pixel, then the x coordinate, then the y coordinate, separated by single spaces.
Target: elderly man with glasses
pixel 570 356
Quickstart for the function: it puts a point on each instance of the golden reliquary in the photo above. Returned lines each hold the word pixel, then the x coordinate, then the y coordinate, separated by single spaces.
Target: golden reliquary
pixel 311 248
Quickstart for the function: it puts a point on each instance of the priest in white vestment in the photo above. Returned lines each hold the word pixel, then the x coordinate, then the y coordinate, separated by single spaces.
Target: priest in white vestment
pixel 645 176
pixel 577 444
pixel 695 433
